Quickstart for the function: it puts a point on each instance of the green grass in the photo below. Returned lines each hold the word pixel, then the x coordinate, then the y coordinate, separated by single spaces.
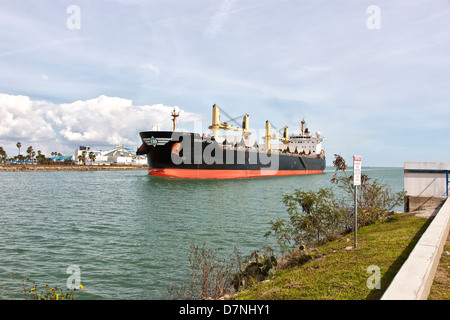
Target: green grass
pixel 440 290
pixel 338 274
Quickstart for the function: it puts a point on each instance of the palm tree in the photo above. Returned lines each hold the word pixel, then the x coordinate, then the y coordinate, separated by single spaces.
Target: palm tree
pixel 83 157
pixel 40 157
pixel 3 155
pixel 92 156
pixel 18 145
pixel 29 151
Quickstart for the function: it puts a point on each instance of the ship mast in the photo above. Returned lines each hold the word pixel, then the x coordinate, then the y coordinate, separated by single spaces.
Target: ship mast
pixel 174 119
pixel 303 126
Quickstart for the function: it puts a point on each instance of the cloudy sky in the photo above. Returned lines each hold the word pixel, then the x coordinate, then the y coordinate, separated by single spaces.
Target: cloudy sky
pixel 372 76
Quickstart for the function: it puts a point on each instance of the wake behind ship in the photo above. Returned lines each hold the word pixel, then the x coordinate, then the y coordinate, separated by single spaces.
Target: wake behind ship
pixel 191 155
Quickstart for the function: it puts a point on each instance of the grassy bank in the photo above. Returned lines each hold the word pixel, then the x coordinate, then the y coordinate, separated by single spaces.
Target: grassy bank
pixel 440 290
pixel 337 272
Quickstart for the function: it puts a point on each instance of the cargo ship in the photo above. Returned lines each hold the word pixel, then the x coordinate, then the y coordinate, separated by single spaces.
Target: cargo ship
pixel 211 156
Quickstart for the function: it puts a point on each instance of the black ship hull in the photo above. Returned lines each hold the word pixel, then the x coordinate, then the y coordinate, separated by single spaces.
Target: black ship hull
pixel 190 155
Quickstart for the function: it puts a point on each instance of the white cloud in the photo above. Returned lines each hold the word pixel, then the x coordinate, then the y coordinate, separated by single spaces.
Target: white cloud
pixel 103 121
pixel 20 119
pixel 151 67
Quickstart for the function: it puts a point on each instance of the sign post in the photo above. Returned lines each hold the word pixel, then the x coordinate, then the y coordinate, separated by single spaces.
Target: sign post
pixel 356 183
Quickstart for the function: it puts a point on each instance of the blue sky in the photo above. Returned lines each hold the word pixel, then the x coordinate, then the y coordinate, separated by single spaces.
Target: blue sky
pixel 382 92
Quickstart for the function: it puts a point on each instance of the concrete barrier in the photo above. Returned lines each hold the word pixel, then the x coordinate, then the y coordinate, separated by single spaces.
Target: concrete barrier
pixel 415 277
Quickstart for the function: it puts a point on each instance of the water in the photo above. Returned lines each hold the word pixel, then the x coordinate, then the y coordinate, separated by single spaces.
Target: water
pixel 130 233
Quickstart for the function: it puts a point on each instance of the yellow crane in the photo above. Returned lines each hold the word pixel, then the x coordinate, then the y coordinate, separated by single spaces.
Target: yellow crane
pixel 269 136
pixel 217 125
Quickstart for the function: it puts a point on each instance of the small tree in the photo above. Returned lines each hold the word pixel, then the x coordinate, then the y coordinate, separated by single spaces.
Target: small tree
pixel 313 217
pixel 42 159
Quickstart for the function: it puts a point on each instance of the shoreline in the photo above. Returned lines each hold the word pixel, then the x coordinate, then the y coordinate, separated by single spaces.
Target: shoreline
pixel 56 167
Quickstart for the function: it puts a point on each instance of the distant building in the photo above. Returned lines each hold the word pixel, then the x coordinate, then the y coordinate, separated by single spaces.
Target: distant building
pixel 118 155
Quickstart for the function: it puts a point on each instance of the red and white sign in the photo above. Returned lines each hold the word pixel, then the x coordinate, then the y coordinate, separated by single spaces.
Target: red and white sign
pixel 357 170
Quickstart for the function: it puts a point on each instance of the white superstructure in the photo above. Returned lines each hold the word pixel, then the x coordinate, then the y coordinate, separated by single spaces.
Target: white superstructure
pixel 305 142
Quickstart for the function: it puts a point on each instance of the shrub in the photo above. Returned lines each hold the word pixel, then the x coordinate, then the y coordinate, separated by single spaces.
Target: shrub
pixel 313 216
pixel 255 269
pixel 210 278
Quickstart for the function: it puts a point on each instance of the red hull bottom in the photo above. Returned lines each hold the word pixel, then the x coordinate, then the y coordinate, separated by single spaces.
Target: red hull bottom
pixel 226 174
